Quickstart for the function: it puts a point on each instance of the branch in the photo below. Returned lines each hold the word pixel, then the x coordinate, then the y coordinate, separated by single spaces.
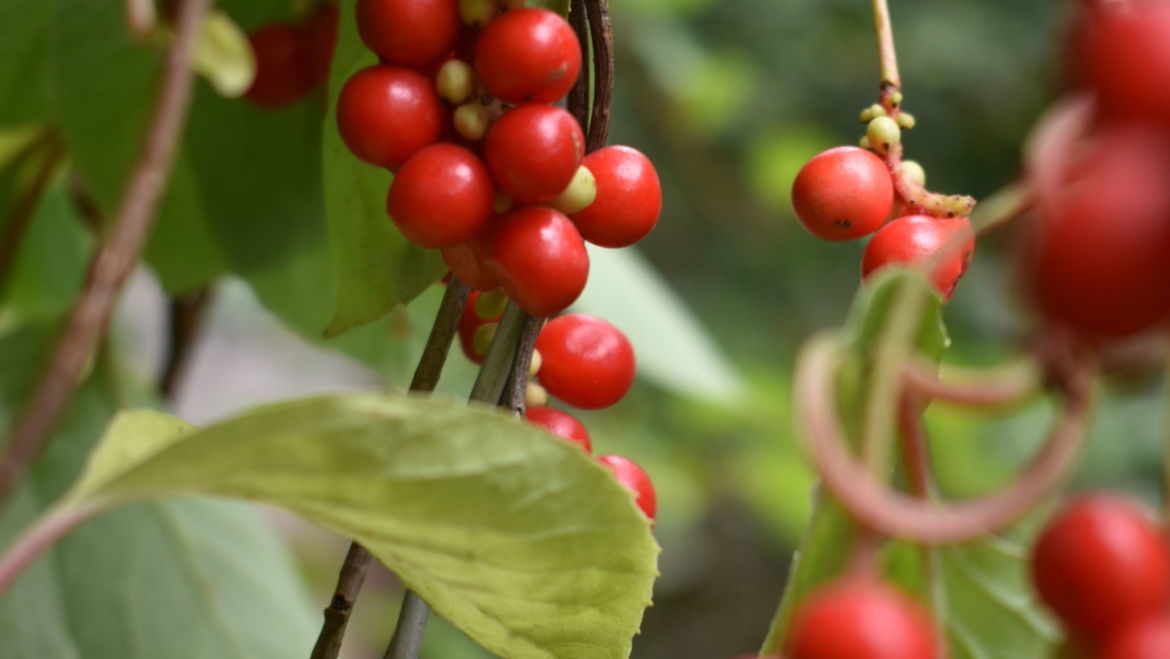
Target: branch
pixel 115 260
pixel 185 319
pixel 1000 386
pixel 873 505
pixel 357 561
pixel 891 81
pixel 515 391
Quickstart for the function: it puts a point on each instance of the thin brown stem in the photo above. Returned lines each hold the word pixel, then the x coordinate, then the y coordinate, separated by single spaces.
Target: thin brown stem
pixel 601 38
pixel 357 561
pixel 115 260
pixel 186 316
pixel 884 31
pixel 877 507
pixel 515 392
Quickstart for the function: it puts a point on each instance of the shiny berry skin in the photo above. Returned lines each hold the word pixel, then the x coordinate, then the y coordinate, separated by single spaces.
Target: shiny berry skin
pixel 914 239
pixel 586 362
pixel 528 56
pixel 321 40
pixel 629 198
pixel 468 262
pixel 628 473
pixel 1099 254
pixel 561 424
pixel 282 73
pixel 1101 563
pixel 409 32
pixel 533 152
pixel 385 114
pixel 860 618
pixel 1126 57
pixel 843 193
pixel 469 322
pixel 443 195
pixel 1148 638
pixel 539 259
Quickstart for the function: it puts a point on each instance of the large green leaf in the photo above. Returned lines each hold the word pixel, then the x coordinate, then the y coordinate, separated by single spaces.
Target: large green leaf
pixel 674 349
pixel 519 539
pixel 25 26
pixel 376 267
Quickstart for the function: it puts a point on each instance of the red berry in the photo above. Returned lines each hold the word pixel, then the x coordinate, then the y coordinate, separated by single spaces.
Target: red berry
pixel 1101 563
pixel 320 41
pixel 1148 638
pixel 1099 255
pixel 843 193
pixel 629 198
pixel 385 114
pixel 528 56
pixel 860 618
pixel 468 262
pixel 282 75
pixel 586 362
pixel 1127 60
pixel 409 32
pixel 469 322
pixel 628 473
pixel 540 260
pixel 914 239
pixel 443 195
pixel 561 424
pixel 533 152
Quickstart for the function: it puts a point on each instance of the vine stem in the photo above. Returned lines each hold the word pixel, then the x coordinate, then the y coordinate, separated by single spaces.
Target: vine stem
pixel 884 31
pixel 999 386
pixel 47 529
pixel 356 565
pixel 115 259
pixel 872 504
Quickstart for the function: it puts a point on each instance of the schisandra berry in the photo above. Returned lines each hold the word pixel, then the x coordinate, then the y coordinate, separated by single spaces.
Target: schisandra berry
pixel 1101 563
pixel 539 258
pixel 915 239
pixel 528 56
pixel 860 618
pixel 561 424
pixel 468 262
pixel 628 201
pixel 385 114
pixel 470 322
pixel 1147 638
pixel 283 76
pixel 533 152
pixel 635 479
pixel 320 32
pixel 586 362
pixel 409 32
pixel 843 193
pixel 442 196
pixel 1126 59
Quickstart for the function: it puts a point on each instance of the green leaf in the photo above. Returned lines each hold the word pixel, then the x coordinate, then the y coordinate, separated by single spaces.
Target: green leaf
pixel 25 26
pixel 673 347
pixel 50 267
pixel 519 539
pixel 376 267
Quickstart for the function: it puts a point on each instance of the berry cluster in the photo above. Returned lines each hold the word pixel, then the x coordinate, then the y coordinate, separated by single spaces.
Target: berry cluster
pixel 860 617
pixel 292 59
pixel 584 361
pixel 848 192
pixel 1098 255
pixel 486 168
pixel 1103 567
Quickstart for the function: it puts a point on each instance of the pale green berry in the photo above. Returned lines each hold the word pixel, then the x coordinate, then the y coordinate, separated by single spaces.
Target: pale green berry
pixel 914 173
pixel 490 304
pixel 579 194
pixel 477 12
pixel 455 81
pixel 883 134
pixel 482 339
pixel 472 121
pixel 906 120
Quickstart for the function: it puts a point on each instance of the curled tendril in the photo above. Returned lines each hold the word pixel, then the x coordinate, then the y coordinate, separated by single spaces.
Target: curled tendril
pixel 876 506
pixel 999 386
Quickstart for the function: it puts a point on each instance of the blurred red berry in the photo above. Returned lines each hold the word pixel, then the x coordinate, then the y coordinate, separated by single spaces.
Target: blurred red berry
pixel 628 473
pixel 561 424
pixel 914 239
pixel 860 618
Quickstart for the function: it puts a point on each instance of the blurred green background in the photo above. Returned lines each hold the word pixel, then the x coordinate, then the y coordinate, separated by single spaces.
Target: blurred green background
pixel 729 98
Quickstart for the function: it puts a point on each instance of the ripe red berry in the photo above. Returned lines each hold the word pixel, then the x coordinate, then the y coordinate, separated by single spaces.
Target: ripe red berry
pixel 1101 563
pixel 1126 55
pixel 533 152
pixel 914 239
pixel 586 362
pixel 320 32
pixel 469 323
pixel 385 114
pixel 860 618
pixel 628 473
pixel 1099 255
pixel 468 262
pixel 282 74
pixel 629 198
pixel 528 56
pixel 561 424
pixel 843 193
pixel 443 195
pixel 540 260
pixel 409 32
pixel 1148 638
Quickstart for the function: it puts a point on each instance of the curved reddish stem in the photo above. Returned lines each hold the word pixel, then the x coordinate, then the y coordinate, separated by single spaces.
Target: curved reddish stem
pixel 876 506
pixel 994 389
